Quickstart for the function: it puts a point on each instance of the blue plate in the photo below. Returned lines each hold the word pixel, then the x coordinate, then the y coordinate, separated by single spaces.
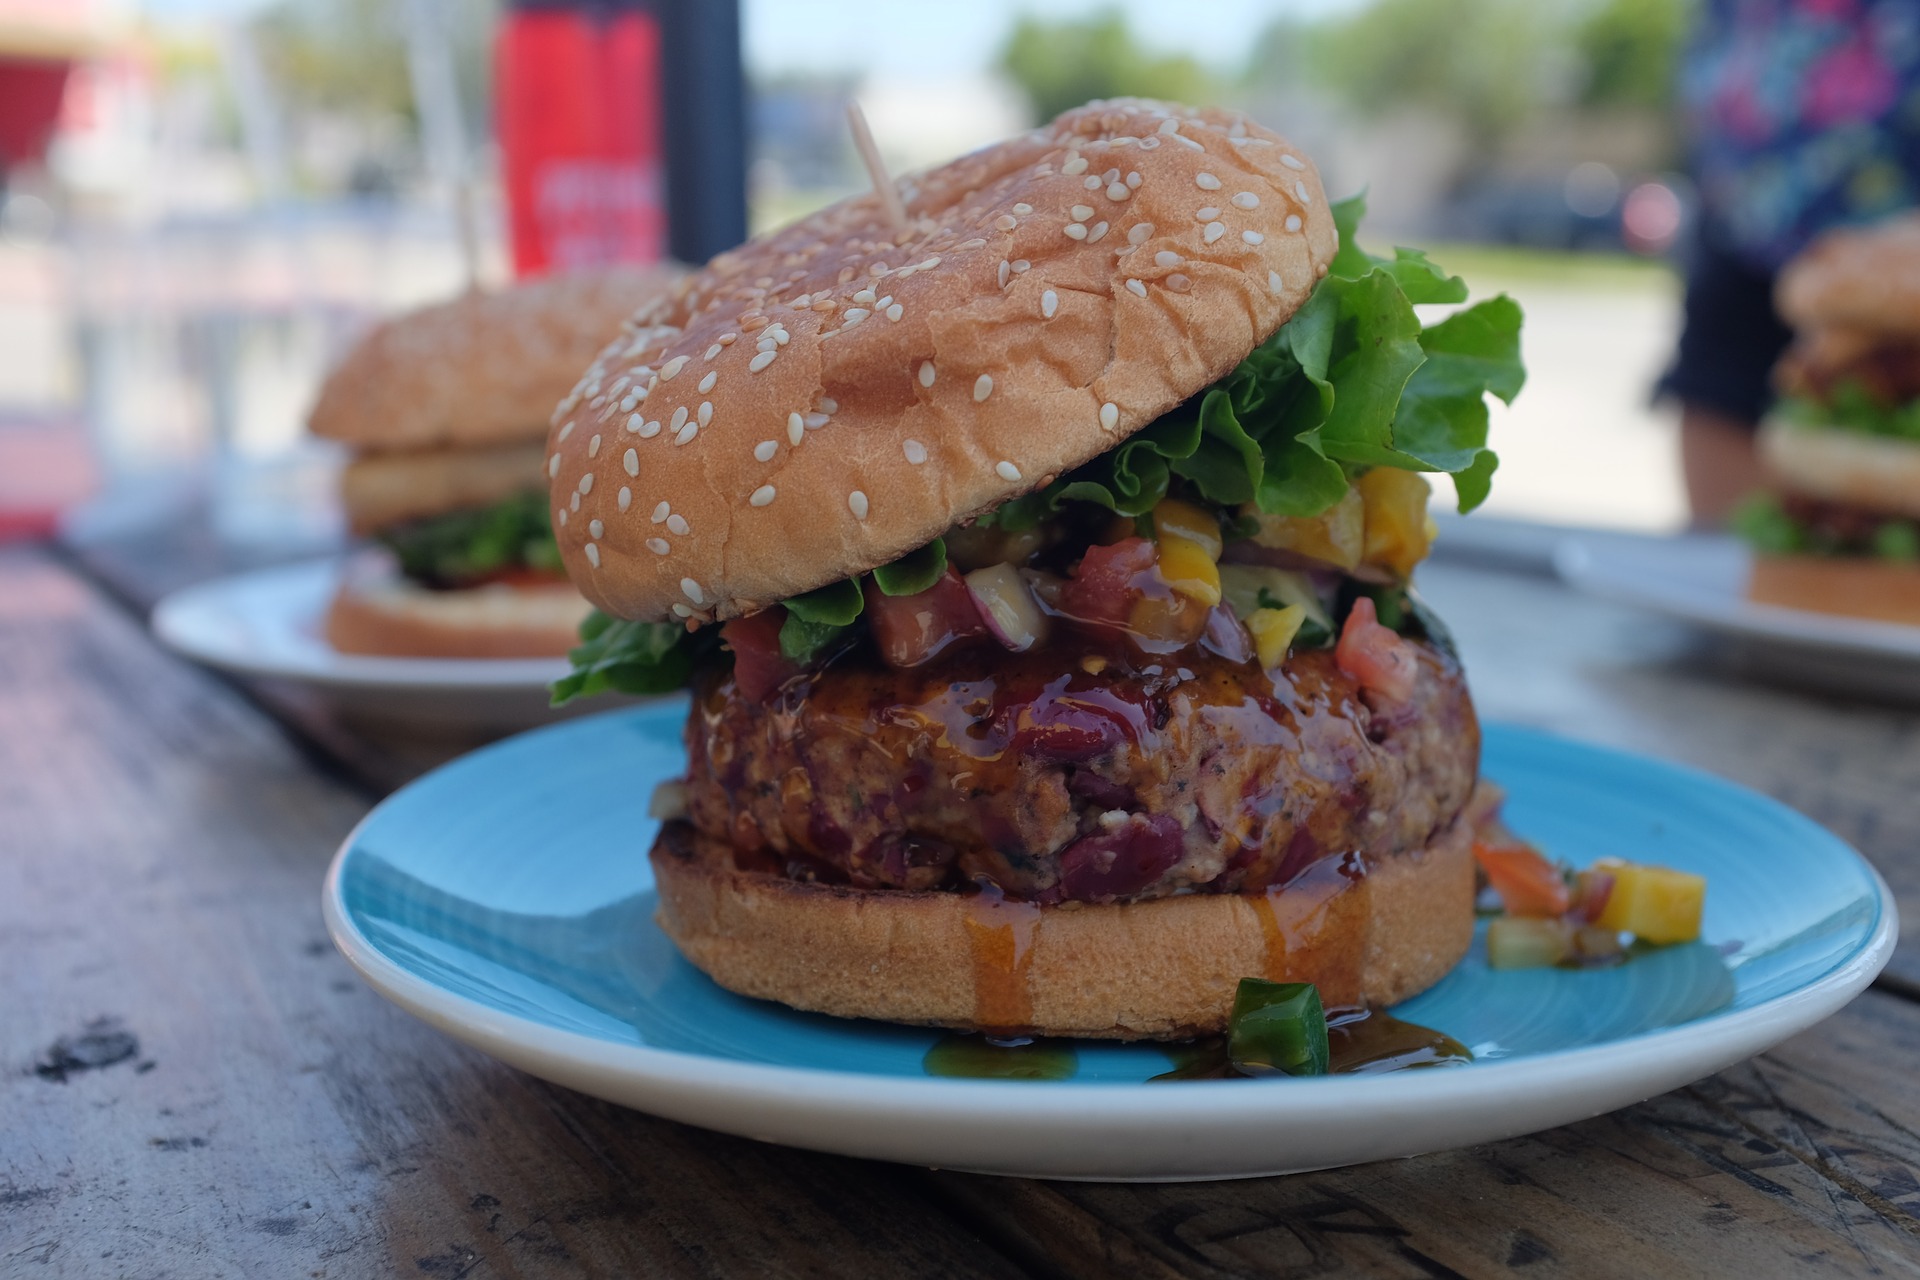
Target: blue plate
pixel 507 899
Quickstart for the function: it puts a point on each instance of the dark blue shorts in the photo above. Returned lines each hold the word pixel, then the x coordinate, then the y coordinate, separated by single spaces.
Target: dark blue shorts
pixel 1729 335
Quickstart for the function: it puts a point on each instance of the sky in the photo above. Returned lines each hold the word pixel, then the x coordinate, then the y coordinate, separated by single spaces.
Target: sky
pixel 848 35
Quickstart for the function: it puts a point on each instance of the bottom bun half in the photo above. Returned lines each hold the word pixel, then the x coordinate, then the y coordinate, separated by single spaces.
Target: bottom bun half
pixel 1163 969
pixel 384 614
pixel 1856 588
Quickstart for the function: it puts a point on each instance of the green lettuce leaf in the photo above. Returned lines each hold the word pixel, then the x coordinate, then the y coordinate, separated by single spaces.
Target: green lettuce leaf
pixel 463 547
pixel 630 657
pixel 913 573
pixel 1353 380
pixel 1851 407
pixel 817 618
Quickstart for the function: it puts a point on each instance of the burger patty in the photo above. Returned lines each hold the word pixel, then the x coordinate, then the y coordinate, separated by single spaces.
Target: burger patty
pixel 1079 777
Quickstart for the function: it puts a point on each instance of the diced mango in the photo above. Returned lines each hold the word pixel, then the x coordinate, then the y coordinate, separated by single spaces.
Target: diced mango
pixel 1273 632
pixel 1184 520
pixel 1188 568
pixel 1655 904
pixel 1335 537
pixel 1398 531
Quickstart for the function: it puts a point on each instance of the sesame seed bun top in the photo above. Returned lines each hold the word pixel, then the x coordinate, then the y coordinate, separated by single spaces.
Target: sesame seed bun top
pixel 837 394
pixel 483 369
pixel 1857 278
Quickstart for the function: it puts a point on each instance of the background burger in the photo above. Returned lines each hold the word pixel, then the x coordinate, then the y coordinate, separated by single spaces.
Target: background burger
pixel 1040 566
pixel 1841 531
pixel 445 409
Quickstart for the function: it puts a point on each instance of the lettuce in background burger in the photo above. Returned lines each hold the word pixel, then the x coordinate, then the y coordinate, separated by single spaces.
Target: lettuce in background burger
pixel 1040 569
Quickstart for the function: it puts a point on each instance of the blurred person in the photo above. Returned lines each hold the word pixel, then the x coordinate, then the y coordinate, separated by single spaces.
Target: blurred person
pixel 1803 115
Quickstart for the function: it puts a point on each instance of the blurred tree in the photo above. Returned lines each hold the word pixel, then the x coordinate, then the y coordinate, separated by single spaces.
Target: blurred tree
pixel 1063 64
pixel 1631 49
pixel 1486 62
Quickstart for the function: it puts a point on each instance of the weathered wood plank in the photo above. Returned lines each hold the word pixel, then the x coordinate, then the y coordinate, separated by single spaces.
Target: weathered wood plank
pixel 263 1112
pixel 1800 1162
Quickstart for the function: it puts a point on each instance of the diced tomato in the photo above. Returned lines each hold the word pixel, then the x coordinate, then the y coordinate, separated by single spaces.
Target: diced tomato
pixel 1374 655
pixel 1527 883
pixel 1108 580
pixel 910 630
pixel 758 665
pixel 1591 890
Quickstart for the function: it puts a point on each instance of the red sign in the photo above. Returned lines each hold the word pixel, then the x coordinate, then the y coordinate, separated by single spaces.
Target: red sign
pixel 579 127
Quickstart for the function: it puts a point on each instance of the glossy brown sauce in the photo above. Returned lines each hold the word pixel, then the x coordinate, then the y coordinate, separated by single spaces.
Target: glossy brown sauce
pixel 1001 933
pixel 1296 916
pixel 1359 1042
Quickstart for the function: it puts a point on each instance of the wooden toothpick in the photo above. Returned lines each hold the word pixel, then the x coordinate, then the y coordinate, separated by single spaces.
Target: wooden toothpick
pixel 869 153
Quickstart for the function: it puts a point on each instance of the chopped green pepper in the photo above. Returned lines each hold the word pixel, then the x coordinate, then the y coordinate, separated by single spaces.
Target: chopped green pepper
pixel 1278 1027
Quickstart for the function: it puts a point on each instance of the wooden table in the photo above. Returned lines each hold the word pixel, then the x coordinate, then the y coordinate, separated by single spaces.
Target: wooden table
pixel 196 1085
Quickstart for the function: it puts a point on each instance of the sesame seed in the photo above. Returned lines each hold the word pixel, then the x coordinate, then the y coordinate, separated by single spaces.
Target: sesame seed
pixel 631 461
pixel 650 429
pixel 930 263
pixel 633 421
pixel 1075 231
pixel 1292 162
pixel 982 387
pixel 815 421
pixel 658 546
pixel 586 483
pixel 1140 233
pixel 1135 287
pixel 1021 265
pixel 677 525
pixel 625 497
pixel 1252 237
pixel 1167 258
pixel 564 433
pixel 1133 182
pixel 895 311
pixel 1293 222
pixel 1081 212
pixel 661 512
pixel 1007 471
pixel 761 496
pixel 915 451
pixel 1109 416
pixel 1049 303
pixel 1006 222
pixel 864 297
pixel 857 503
pixel 706 383
pixel 1169 125
pixel 796 429
pixel 854 315
pixel 764 451
pixel 1246 200
pixel 706 412
pixel 681 611
pixel 1023 209
pixel 687 433
pixel 1188 142
pixel 692 588
pixel 829 405
pixel 1213 231
pixel 593 555
pixel 1300 193
pixel 760 362
pixel 1075 166
pixel 1099 231
pixel 975 243
pixel 1111 175
pixel 595 528
pixel 560 517
pixel 1206 182
pixel 678 420
pixel 1093 182
pixel 553 467
pixel 780 334
pixel 672 367
pixel 1274 283
pixel 1006 272
pixel 767 344
pixel 1206 213
pixel 713 351
pixel 1177 282
pixel 1118 191
pixel 927 373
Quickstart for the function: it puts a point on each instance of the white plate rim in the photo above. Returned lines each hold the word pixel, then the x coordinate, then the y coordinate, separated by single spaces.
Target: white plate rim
pixel 1581 562
pixel 323 666
pixel 896 1118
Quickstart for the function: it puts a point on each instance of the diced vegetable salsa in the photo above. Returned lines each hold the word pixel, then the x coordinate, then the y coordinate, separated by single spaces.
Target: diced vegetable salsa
pixel 1278 1027
pixel 1552 915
